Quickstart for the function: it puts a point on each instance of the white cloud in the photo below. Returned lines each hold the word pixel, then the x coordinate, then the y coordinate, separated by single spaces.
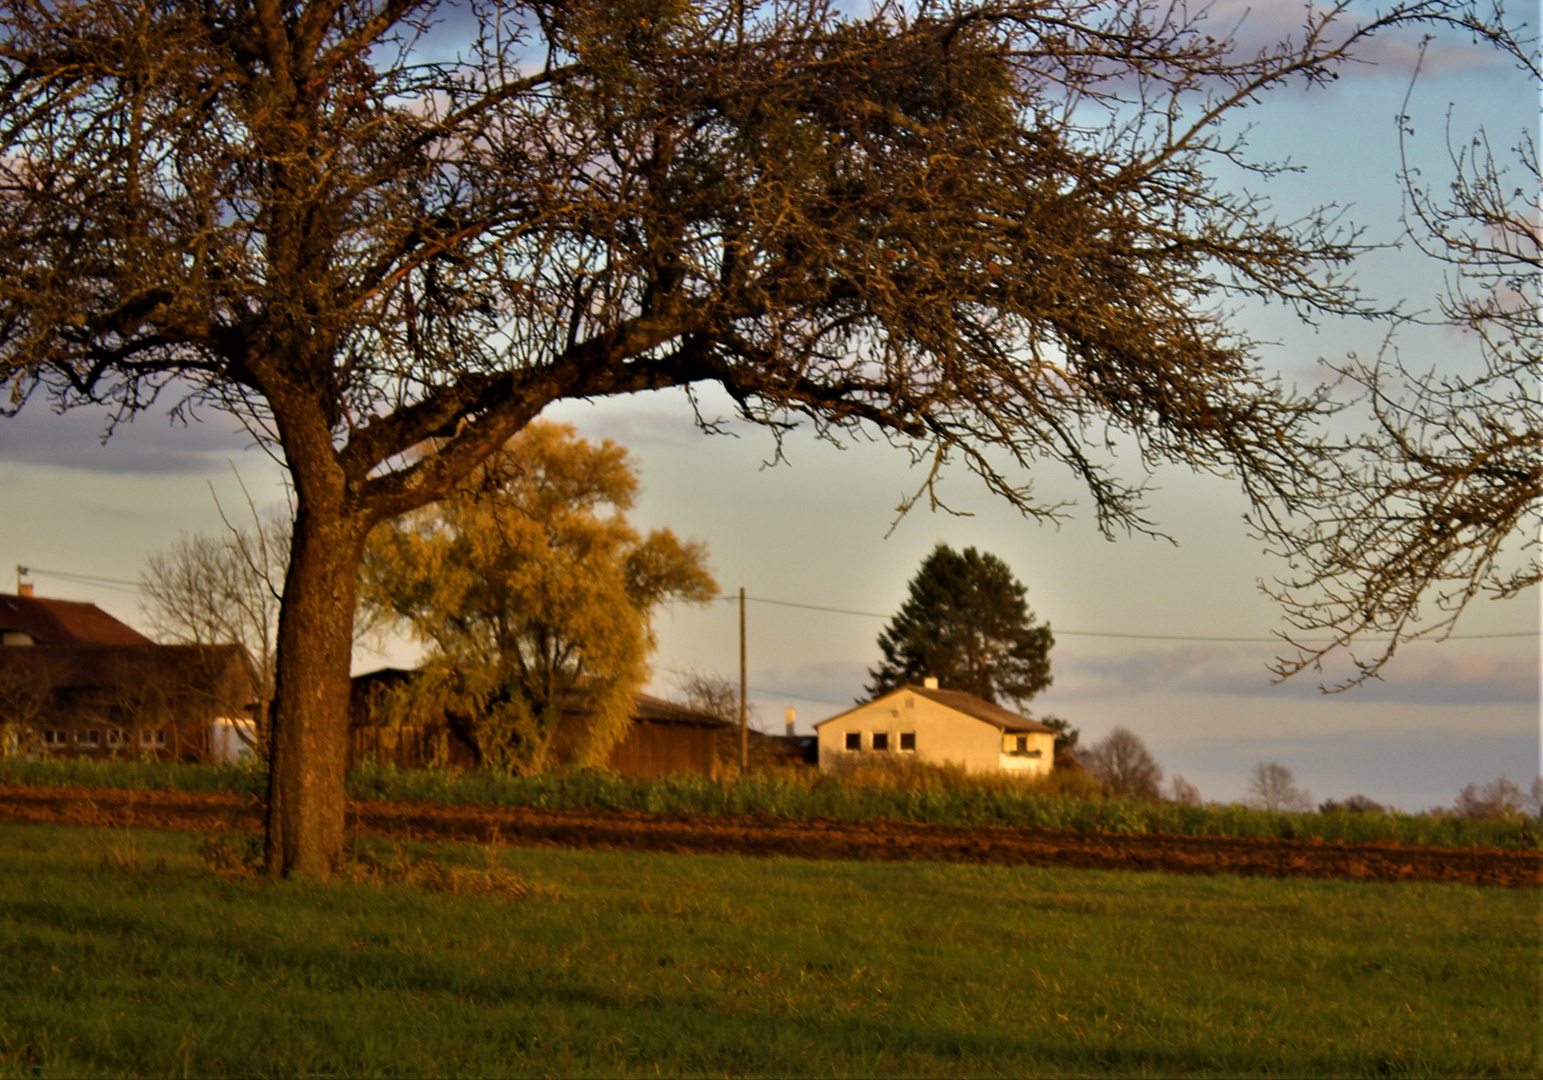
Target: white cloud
pixel 1256 26
pixel 1420 674
pixel 153 444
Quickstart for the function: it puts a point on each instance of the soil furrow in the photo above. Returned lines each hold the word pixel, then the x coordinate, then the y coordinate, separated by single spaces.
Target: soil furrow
pixel 764 835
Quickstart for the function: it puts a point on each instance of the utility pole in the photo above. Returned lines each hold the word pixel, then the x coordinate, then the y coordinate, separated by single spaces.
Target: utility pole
pixel 744 707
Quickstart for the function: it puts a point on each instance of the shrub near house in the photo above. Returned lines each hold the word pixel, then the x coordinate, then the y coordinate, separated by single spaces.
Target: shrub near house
pixel 938 727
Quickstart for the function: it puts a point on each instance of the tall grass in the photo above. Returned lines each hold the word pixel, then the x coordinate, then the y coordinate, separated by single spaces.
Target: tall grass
pixel 940 796
pixel 132 775
pixel 915 793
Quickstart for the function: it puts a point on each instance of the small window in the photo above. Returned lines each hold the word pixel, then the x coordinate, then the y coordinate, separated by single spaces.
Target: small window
pixel 1023 744
pixel 55 737
pixel 881 740
pixel 91 738
pixel 908 740
pixel 854 740
pixel 152 737
pixel 116 737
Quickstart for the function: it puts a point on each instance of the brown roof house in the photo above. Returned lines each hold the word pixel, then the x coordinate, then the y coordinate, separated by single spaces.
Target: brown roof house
pixel 939 726
pixel 75 681
pixel 663 737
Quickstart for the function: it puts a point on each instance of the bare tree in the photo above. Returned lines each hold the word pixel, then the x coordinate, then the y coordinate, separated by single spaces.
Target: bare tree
pixel 1499 798
pixel 1272 787
pixel 990 232
pixel 1124 766
pixel 1181 791
pixel 223 590
pixel 26 696
pixel 1443 501
pixel 711 695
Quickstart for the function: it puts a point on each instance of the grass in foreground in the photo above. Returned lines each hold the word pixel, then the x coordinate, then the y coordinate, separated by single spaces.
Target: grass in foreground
pixel 125 955
pixel 940 796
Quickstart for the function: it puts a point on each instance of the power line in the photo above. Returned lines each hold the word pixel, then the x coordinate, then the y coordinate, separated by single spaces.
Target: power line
pixel 117 585
pixel 1113 634
pixel 762 689
pixel 135 587
pixel 93 578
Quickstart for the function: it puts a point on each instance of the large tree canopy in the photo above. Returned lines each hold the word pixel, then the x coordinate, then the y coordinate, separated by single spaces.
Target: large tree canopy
pixel 966 623
pixel 992 232
pixel 534 595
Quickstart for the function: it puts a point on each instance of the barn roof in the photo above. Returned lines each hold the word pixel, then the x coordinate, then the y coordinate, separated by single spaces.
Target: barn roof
pixel 65 622
pixel 667 712
pixel 960 701
pixel 647 706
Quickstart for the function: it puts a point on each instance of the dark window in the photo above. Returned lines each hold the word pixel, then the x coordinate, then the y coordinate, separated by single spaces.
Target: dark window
pixel 55 737
pixel 1023 744
pixel 881 740
pixel 854 740
pixel 90 737
pixel 908 740
pixel 148 737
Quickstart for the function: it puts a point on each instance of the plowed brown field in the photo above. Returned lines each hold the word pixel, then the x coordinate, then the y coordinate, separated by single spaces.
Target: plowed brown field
pixel 817 839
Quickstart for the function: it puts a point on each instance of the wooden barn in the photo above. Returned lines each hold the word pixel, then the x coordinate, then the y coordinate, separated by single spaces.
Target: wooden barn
pixel 663 738
pixel 667 738
pixel 435 740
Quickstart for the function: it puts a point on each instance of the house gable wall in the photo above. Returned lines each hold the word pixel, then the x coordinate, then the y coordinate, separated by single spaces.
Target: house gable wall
pixel 943 735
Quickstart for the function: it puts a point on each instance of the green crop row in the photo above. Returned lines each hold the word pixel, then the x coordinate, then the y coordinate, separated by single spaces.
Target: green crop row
pixel 936 796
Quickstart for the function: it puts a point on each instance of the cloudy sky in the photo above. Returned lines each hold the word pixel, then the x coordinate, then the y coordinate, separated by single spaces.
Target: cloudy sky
pixel 1135 620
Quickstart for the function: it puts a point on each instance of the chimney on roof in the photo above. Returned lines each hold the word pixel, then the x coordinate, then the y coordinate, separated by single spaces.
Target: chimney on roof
pixel 24 588
pixel 930 683
pixel 791 716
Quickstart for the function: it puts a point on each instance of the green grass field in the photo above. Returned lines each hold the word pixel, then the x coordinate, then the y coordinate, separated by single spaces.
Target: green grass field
pixel 125 954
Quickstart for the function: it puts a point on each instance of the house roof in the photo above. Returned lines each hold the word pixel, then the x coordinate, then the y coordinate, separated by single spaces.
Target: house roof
pixel 65 622
pixel 977 708
pixel 648 707
pixel 214 674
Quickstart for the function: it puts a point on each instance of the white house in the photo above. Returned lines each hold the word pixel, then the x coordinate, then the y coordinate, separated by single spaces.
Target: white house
pixel 938 726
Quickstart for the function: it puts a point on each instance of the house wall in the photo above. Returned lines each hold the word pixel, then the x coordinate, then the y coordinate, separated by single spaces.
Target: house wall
pixel 74 737
pixel 943 736
pixel 1037 759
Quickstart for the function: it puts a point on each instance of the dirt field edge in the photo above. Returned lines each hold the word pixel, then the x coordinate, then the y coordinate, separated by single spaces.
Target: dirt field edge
pixel 765 836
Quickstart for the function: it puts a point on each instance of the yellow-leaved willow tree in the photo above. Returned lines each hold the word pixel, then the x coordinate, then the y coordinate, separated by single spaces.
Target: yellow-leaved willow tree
pixel 534 597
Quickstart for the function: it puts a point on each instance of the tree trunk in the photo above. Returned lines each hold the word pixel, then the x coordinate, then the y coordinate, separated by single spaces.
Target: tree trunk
pixel 310 707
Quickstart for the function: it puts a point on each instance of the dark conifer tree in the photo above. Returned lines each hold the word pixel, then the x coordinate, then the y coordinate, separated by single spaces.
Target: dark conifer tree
pixel 966 622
